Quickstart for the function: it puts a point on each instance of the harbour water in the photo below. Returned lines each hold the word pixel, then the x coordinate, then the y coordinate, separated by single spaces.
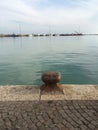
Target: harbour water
pixel 24 59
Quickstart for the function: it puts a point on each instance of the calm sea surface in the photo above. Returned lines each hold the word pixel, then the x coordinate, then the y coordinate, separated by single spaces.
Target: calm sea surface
pixel 23 60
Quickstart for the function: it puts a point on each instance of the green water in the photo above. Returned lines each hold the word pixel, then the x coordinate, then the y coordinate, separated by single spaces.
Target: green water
pixel 23 60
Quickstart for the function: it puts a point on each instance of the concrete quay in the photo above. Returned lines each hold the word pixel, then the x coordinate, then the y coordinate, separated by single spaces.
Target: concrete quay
pixel 26 107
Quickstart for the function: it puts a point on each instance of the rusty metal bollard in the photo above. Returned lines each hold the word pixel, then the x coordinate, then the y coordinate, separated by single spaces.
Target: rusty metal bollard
pixel 51 80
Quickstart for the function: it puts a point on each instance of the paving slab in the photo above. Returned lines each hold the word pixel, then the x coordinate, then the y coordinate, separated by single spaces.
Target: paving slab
pixel 80 92
pixel 52 96
pixel 19 93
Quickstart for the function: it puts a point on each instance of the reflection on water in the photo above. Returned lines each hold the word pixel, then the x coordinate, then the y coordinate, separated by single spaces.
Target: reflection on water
pixel 22 60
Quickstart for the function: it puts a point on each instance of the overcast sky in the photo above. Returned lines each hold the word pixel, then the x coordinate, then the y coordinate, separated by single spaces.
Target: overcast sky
pixel 44 16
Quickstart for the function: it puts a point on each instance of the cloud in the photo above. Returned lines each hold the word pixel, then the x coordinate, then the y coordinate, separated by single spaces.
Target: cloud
pixel 61 15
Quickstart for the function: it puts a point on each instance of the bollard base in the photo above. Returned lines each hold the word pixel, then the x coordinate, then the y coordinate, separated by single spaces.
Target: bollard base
pixel 51 87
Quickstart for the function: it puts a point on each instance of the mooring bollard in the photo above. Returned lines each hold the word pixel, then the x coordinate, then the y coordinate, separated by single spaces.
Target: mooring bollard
pixel 51 80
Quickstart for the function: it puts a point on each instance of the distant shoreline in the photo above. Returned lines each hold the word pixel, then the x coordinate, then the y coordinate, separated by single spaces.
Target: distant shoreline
pixel 43 35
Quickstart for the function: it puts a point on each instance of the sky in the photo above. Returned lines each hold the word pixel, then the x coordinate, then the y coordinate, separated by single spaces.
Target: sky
pixel 48 16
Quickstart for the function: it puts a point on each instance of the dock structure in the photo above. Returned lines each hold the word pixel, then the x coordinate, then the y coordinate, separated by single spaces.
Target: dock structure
pixel 26 107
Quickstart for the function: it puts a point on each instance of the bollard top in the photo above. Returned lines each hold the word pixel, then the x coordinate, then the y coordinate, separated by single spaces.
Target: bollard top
pixel 51 77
